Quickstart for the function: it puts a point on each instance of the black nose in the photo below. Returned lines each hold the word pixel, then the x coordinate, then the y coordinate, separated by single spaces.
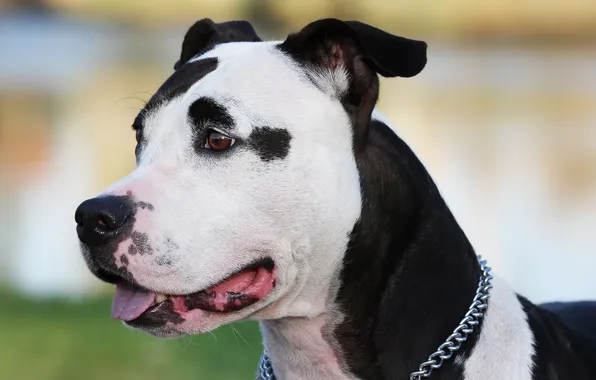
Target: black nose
pixel 100 219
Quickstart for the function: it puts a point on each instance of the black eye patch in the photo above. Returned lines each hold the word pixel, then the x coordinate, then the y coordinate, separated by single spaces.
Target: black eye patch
pixel 207 112
pixel 270 143
pixel 203 114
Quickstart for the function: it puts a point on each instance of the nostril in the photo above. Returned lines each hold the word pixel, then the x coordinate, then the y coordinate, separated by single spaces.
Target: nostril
pixel 111 219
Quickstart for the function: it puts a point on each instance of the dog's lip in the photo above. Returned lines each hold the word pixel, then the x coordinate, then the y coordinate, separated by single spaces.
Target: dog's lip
pixel 245 287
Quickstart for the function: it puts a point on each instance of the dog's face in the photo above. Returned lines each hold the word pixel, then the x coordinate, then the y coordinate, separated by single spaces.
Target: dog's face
pixel 246 187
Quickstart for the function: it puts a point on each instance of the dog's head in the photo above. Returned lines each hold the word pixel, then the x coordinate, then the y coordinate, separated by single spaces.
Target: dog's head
pixel 246 187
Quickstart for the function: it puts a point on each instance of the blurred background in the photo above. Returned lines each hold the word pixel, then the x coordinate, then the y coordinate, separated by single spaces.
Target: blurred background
pixel 504 117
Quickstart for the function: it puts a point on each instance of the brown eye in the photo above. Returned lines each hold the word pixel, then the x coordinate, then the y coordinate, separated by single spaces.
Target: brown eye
pixel 217 141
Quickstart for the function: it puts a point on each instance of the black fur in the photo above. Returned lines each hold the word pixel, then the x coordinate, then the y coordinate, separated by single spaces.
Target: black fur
pixel 205 34
pixel 270 143
pixel 565 336
pixel 579 316
pixel 207 111
pixel 409 273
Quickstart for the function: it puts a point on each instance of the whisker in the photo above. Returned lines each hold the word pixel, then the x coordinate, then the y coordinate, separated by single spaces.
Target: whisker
pixel 245 341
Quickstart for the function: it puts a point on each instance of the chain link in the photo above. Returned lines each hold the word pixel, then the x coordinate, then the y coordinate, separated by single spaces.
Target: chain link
pixel 475 313
pixel 466 327
pixel 265 367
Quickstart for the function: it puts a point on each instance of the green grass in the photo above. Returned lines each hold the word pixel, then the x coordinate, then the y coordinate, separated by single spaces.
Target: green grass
pixel 60 340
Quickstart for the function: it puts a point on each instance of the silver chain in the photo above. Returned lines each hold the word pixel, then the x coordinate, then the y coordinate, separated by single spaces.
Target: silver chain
pixel 462 332
pixel 265 368
pixel 475 313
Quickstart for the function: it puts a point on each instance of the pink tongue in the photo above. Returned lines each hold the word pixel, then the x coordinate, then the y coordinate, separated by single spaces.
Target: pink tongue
pixel 130 302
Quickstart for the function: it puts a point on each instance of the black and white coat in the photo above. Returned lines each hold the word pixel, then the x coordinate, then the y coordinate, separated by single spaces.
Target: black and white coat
pixel 369 270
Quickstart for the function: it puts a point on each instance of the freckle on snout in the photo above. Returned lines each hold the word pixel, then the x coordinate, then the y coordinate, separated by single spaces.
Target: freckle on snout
pixel 145 206
pixel 132 250
pixel 170 245
pixel 163 260
pixel 141 242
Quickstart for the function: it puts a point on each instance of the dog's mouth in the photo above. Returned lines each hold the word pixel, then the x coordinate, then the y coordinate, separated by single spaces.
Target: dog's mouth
pixel 138 306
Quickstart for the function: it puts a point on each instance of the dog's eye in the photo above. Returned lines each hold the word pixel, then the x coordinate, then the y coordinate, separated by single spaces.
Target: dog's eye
pixel 217 141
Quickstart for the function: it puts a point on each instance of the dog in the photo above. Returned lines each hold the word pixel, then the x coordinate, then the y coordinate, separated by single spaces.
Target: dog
pixel 269 188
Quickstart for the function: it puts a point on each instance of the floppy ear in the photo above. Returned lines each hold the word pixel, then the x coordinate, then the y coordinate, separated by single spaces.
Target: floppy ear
pixel 205 33
pixel 361 52
pixel 389 55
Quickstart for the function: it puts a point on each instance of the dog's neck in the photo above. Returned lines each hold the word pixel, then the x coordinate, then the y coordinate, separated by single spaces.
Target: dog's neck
pixel 408 277
pixel 300 348
pixel 410 273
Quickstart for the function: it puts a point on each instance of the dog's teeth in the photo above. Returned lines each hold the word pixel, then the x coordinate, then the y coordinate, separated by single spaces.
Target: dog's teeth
pixel 160 298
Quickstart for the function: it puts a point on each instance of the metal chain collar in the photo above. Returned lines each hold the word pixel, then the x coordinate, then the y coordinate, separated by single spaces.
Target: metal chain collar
pixel 475 313
pixel 265 368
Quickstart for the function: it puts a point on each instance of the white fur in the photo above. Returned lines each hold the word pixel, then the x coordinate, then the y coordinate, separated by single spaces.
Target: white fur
pixel 299 351
pixel 505 347
pixel 222 213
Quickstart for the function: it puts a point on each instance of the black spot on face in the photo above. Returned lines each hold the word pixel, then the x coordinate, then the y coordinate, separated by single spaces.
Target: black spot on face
pixel 132 250
pixel 270 143
pixel 124 260
pixel 163 260
pixel 145 205
pixel 207 111
pixel 170 245
pixel 141 242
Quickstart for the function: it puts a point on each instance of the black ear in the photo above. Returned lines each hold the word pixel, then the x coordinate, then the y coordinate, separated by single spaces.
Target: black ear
pixel 361 52
pixel 205 33
pixel 389 55
pixel 386 54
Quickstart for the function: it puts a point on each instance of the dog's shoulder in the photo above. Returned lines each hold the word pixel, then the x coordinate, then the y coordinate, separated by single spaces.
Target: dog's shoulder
pixel 565 335
pixel 579 316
